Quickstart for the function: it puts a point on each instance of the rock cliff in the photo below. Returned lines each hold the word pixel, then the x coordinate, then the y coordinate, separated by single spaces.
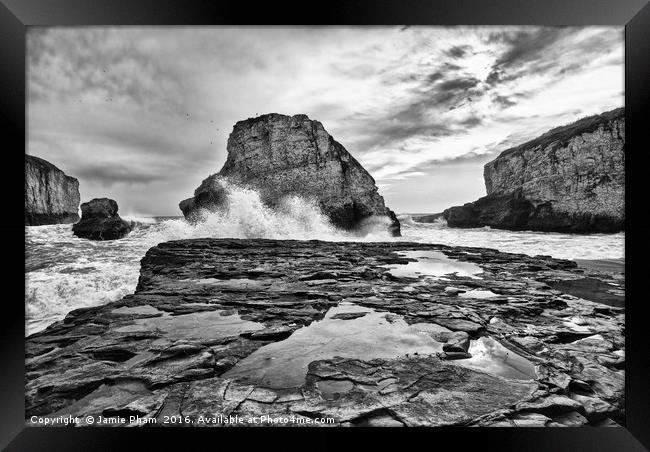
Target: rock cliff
pixel 51 196
pixel 570 179
pixel 100 221
pixel 282 155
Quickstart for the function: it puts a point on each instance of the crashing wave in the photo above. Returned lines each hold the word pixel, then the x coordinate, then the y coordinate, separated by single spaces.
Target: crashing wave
pixel 70 273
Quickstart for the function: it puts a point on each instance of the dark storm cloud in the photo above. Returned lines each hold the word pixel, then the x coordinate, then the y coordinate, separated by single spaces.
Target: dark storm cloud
pixel 440 95
pixel 438 91
pixel 472 121
pixel 451 67
pixel 503 101
pixel 458 51
pixel 521 46
pixel 457 85
pixel 545 50
pixel 431 78
pixel 525 45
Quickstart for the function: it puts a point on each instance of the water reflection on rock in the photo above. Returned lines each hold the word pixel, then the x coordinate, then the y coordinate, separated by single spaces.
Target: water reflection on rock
pixel 284 364
pixel 432 264
pixel 489 356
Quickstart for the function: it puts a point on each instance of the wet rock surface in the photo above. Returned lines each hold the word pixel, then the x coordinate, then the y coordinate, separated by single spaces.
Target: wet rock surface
pixel 100 221
pixel 51 196
pixel 281 155
pixel 305 330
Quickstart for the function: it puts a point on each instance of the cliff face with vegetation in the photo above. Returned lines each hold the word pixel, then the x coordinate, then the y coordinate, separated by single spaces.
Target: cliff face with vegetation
pixel 51 196
pixel 282 155
pixel 570 179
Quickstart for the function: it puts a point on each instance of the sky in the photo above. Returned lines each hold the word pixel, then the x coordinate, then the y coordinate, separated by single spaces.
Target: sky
pixel 142 114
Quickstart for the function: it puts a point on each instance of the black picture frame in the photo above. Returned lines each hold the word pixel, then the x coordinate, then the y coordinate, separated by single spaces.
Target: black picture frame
pixel 16 15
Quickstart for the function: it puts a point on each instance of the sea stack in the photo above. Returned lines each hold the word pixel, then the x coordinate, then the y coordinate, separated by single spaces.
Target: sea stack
pixel 281 155
pixel 51 196
pixel 100 221
pixel 570 179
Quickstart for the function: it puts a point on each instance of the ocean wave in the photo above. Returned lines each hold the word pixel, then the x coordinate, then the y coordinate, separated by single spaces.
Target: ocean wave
pixel 64 272
pixel 556 244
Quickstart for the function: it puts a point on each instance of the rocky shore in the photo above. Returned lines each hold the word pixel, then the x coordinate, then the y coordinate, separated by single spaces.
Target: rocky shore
pixel 394 334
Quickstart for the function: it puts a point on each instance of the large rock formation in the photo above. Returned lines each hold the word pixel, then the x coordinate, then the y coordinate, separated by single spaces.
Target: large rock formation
pixel 570 179
pixel 51 197
pixel 100 221
pixel 282 155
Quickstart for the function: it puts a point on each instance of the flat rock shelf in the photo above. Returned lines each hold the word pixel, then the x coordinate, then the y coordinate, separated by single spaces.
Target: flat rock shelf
pixel 307 330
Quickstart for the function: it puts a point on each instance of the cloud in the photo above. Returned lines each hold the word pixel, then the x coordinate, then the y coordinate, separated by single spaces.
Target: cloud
pixel 117 174
pixel 152 107
pixel 503 101
pixel 458 51
pixel 556 50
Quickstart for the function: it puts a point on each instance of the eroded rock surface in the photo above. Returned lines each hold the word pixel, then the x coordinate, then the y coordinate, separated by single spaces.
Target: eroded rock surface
pixel 100 221
pixel 281 155
pixel 51 197
pixel 570 179
pixel 303 330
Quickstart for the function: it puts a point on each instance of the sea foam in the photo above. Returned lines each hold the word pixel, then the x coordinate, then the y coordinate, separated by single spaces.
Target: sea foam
pixel 64 272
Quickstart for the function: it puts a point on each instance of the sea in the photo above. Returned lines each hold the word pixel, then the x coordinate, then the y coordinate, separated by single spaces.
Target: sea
pixel 64 272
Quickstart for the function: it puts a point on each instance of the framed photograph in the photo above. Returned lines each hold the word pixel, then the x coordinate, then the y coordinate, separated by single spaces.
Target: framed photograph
pixel 379 215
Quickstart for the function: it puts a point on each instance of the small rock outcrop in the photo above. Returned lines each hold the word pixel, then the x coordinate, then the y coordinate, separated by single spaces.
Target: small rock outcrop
pixel 51 197
pixel 282 155
pixel 100 221
pixel 570 179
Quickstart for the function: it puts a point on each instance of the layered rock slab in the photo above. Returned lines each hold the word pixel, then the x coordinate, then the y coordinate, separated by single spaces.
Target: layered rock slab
pixel 51 196
pixel 570 179
pixel 203 306
pixel 281 155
